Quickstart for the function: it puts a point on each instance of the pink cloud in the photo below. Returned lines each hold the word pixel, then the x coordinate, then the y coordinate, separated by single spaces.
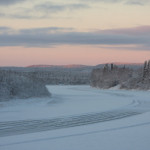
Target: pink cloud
pixel 140 30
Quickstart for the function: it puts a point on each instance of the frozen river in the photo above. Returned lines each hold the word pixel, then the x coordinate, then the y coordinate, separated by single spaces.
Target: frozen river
pixel 77 117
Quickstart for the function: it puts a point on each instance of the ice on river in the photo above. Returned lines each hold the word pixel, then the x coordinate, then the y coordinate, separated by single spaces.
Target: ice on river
pixel 77 117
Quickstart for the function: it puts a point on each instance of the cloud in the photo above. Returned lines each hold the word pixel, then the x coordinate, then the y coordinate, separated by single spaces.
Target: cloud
pixel 140 30
pixel 10 2
pixel 44 37
pixel 42 10
pixel 103 1
pixel 134 3
pixel 137 2
pixel 5 30
pixel 52 7
pixel 128 2
pixel 46 30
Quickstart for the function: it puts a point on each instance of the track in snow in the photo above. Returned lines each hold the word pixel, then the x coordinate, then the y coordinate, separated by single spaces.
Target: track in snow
pixel 10 128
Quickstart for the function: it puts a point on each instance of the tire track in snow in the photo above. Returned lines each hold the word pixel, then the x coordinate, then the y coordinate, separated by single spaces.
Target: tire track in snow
pixel 78 134
pixel 10 128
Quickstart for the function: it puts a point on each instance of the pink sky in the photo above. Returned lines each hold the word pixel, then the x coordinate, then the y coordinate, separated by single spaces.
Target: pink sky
pixel 60 32
pixel 87 55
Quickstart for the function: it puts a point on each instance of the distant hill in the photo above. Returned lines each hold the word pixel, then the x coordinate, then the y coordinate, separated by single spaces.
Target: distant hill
pixel 78 66
pixel 57 66
pixel 72 67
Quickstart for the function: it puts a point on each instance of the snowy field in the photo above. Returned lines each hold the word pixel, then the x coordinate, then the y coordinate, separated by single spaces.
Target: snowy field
pixel 77 118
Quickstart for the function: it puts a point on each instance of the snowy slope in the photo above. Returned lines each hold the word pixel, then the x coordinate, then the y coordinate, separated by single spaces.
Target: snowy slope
pixel 77 117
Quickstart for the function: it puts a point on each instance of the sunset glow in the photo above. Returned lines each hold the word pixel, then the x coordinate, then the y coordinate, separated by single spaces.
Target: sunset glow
pixel 74 32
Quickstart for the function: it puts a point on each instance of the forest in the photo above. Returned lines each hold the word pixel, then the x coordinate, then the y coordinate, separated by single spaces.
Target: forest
pixel 28 82
pixel 126 78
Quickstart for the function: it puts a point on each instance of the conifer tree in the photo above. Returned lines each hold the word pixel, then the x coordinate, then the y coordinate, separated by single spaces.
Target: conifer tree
pixel 112 66
pixel 106 68
pixel 148 67
pixel 145 70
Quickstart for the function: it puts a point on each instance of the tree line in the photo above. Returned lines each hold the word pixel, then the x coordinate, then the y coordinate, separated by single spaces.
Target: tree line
pixel 25 84
pixel 127 78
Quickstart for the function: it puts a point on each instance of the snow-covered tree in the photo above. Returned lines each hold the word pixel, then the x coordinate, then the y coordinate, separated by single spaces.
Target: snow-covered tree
pixel 123 76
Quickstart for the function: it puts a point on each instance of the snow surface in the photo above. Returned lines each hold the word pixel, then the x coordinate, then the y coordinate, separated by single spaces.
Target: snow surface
pixel 127 133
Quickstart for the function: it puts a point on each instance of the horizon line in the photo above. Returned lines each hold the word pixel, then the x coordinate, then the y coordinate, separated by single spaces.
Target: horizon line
pixel 73 65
